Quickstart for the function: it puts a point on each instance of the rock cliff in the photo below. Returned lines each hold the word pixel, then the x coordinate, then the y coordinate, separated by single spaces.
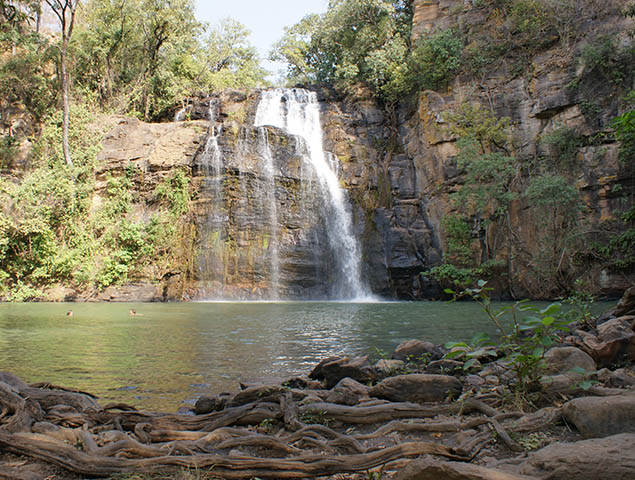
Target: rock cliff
pixel 399 168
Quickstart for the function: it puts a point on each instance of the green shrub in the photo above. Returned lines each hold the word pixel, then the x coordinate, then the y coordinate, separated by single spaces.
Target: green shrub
pixel 435 59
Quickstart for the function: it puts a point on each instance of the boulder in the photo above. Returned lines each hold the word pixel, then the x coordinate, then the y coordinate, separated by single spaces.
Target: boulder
pixel 208 404
pixel 13 381
pixel 428 468
pixel 385 368
pixel 561 360
pixel 619 337
pixel 610 458
pixel 615 339
pixel 262 393
pixel 417 388
pixel 626 305
pixel 316 373
pixel 416 350
pixel 445 367
pixel 348 392
pixel 356 368
pixel 620 378
pixel 302 383
pixel 602 416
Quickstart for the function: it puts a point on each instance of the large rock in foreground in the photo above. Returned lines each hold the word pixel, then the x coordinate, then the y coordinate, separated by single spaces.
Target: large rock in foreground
pixel 416 350
pixel 418 388
pixel 561 360
pixel 334 369
pixel 626 305
pixel 602 416
pixel 610 458
pixel 429 469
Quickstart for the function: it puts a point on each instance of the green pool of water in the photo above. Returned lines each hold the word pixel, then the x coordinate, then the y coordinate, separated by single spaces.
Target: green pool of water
pixel 175 352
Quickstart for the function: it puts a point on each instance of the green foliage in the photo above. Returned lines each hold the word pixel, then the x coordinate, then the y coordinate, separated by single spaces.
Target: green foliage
pixel 459 238
pixel 356 42
pixel 565 143
pixel 8 150
pixel 293 48
pixel 523 344
pixel 624 126
pixel 26 78
pixel 435 59
pixel 230 60
pixel 174 192
pixel 603 57
pixel 144 56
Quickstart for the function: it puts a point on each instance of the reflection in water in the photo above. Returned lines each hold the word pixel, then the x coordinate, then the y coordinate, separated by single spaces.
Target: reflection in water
pixel 175 352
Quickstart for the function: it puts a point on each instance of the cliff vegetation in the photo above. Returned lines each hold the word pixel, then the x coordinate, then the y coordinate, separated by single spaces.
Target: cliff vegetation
pixel 487 139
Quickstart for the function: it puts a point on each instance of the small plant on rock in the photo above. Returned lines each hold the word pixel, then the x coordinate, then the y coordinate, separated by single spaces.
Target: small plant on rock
pixel 524 342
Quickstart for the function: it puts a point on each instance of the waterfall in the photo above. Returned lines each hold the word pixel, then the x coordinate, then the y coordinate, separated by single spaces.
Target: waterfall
pixel 271 209
pixel 211 162
pixel 297 112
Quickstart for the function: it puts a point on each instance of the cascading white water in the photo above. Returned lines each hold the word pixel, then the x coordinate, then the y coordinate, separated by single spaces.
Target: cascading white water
pixel 297 112
pixel 271 209
pixel 212 166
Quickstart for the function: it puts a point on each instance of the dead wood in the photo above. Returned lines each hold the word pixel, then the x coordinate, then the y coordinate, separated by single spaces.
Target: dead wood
pixel 239 467
pixel 380 413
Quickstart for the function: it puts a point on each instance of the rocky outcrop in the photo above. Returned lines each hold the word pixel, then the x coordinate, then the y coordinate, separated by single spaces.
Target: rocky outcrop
pixel 610 458
pixel 602 416
pixel 398 168
pixel 417 388
pixel 430 469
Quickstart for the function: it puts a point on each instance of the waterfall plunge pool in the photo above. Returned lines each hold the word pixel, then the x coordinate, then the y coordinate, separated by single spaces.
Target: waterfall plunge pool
pixel 176 352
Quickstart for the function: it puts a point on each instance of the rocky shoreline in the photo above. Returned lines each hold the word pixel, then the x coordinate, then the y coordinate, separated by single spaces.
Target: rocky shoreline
pixel 425 413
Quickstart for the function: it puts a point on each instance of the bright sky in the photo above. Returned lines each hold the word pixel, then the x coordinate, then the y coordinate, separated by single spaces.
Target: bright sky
pixel 265 19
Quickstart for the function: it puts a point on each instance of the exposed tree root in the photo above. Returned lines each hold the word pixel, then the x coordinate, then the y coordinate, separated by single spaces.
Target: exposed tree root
pixel 70 430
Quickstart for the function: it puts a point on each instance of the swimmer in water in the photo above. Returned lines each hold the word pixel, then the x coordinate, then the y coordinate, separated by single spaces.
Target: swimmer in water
pixel 69 313
pixel 133 313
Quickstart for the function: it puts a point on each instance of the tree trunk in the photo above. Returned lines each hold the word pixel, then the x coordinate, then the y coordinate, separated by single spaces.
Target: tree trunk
pixel 66 119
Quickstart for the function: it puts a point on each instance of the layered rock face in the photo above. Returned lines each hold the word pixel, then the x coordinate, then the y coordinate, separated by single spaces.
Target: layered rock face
pixel 405 194
pixel 264 216
pixel 260 218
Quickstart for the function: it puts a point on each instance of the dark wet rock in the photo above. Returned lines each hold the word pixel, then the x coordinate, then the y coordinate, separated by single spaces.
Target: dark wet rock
pixel 263 393
pixel 416 350
pixel 445 367
pixel 348 392
pixel 561 360
pixel 208 404
pixel 602 416
pixel 356 368
pixel 417 388
pixel 610 458
pixel 428 468
pixel 626 305
pixel 302 383
pixel 317 373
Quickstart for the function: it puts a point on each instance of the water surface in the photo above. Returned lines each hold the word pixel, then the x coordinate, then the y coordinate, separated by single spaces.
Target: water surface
pixel 176 352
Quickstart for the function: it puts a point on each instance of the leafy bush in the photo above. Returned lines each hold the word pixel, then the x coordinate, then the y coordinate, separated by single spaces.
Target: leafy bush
pixel 524 343
pixel 605 58
pixel 435 59
pixel 565 143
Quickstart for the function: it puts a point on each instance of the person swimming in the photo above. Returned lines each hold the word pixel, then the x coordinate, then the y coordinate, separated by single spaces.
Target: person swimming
pixel 69 313
pixel 133 313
